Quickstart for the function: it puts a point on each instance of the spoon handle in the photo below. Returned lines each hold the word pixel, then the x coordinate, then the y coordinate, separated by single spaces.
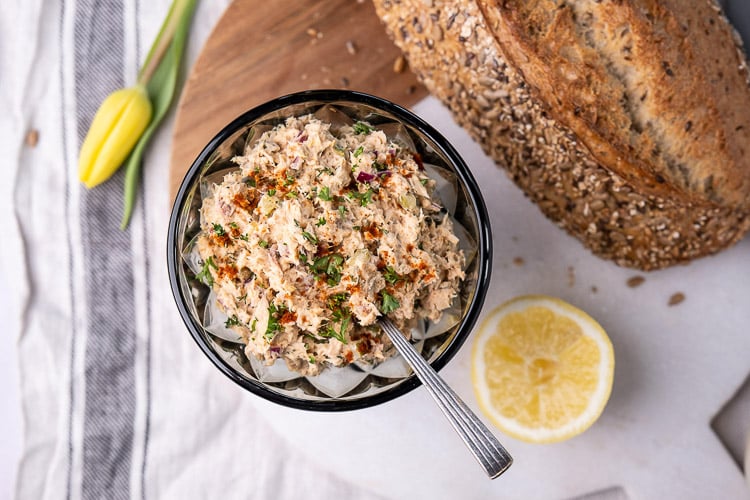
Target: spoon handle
pixel 492 456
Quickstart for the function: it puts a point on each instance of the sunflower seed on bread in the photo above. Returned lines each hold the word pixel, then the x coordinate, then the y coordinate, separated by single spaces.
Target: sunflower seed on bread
pixel 627 122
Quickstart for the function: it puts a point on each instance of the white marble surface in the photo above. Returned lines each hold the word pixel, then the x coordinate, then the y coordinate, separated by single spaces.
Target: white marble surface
pixel 675 367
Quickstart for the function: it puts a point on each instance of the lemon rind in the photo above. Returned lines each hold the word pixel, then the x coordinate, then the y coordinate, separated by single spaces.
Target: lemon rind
pixel 599 399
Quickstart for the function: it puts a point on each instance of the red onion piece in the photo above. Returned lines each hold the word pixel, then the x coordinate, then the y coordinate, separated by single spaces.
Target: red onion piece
pixel 364 177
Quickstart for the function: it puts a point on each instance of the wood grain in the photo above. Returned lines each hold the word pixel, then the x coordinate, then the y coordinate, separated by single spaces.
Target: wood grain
pixel 261 50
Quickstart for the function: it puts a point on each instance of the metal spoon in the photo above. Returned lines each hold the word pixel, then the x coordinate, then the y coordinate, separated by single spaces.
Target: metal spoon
pixel 492 456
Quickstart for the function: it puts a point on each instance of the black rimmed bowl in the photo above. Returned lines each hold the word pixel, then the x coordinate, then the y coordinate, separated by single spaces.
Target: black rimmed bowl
pixel 357 385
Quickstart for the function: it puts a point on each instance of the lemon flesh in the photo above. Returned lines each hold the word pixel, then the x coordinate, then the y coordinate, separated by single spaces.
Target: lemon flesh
pixel 542 369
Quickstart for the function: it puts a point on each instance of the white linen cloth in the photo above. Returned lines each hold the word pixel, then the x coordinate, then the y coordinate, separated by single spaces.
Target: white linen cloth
pixel 119 403
pixel 117 400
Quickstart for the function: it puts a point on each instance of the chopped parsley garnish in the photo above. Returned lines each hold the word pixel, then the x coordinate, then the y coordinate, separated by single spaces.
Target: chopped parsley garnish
pixel 250 181
pixel 340 335
pixel 337 299
pixel 391 276
pixel 253 325
pixel 273 321
pixel 309 237
pixel 311 359
pixel 289 180
pixel 341 314
pixel 389 303
pixel 233 321
pixel 263 243
pixel 325 193
pixel 330 266
pixel 291 194
pixel 379 166
pixel 359 151
pixel 242 298
pixel 205 275
pixel 233 225
pixel 342 210
pixel 271 192
pixel 424 181
pixel 244 237
pixel 364 198
pixel 219 230
pixel 362 128
pixel 321 222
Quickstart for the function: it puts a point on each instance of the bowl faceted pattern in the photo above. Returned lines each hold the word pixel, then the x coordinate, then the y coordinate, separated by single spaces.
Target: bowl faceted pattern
pixel 359 384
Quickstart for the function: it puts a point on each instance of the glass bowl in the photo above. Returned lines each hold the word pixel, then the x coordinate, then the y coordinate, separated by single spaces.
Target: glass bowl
pixel 357 385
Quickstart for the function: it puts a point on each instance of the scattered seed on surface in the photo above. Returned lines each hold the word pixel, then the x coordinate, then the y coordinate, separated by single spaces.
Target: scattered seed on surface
pixel 312 32
pixel 32 138
pixel 351 47
pixel 399 64
pixel 635 281
pixel 594 289
pixel 411 89
pixel 676 298
pixel 518 261
pixel 571 276
pixel 344 81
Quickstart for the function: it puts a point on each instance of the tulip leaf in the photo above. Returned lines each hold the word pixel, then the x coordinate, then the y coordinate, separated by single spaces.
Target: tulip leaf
pixel 161 89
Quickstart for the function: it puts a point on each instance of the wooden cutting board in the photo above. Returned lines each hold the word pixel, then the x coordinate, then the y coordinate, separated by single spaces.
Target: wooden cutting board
pixel 261 50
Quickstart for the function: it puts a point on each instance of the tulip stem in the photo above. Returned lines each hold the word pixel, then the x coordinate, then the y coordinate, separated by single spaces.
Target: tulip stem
pixel 160 76
pixel 162 42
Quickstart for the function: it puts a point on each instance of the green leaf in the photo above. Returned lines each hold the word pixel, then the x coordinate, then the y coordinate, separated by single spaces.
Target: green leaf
pixel 310 237
pixel 391 276
pixel 161 90
pixel 205 275
pixel 325 193
pixel 389 304
pixel 232 321
pixel 364 198
pixel 362 128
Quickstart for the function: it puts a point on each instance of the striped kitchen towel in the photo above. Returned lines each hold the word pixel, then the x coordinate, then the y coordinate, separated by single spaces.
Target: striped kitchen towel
pixel 117 401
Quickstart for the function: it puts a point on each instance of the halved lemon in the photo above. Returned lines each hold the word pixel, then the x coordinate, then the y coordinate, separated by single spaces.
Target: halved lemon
pixel 542 369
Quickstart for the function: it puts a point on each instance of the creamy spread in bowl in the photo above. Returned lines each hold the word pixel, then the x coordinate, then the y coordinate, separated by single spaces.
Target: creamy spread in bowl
pixel 320 230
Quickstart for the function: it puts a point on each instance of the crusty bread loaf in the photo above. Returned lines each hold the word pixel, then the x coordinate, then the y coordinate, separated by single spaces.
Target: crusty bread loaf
pixel 627 122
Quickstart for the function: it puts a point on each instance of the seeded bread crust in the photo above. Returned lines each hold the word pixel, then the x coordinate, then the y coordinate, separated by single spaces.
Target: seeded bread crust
pixel 637 213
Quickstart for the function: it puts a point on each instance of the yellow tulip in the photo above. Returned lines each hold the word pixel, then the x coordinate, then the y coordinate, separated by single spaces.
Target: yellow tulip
pixel 117 126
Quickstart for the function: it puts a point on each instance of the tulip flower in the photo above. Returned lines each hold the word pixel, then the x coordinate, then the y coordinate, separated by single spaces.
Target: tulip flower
pixel 117 126
pixel 128 118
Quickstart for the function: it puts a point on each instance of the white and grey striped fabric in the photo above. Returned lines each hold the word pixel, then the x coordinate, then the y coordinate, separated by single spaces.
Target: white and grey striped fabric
pixel 117 401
